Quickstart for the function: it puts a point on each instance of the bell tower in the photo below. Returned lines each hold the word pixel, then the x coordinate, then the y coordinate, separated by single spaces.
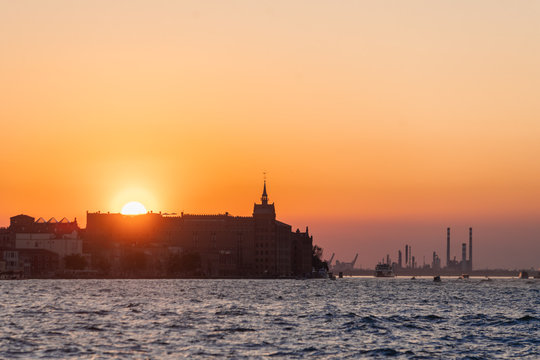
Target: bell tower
pixel 264 209
pixel 264 197
pixel 265 236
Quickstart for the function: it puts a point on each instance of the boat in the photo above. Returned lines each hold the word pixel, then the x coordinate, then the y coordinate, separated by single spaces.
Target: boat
pixel 464 276
pixel 321 273
pixel 384 270
pixel 437 278
pixel 523 275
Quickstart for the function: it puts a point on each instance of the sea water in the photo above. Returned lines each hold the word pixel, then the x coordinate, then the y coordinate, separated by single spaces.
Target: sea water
pixel 346 318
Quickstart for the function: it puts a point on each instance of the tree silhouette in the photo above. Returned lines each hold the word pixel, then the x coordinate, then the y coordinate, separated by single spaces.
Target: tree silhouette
pixel 316 259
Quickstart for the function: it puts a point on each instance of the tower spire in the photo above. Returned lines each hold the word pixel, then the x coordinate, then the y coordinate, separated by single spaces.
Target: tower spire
pixel 264 210
pixel 264 197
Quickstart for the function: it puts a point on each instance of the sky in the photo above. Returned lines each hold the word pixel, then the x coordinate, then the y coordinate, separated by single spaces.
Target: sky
pixel 378 123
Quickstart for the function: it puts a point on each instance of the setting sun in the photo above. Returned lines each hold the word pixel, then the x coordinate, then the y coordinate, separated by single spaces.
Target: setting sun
pixel 133 208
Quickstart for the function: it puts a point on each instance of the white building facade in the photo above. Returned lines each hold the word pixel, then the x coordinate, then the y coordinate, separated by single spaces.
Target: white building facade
pixel 69 244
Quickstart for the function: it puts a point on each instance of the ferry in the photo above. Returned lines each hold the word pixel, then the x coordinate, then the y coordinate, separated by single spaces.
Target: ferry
pixel 384 270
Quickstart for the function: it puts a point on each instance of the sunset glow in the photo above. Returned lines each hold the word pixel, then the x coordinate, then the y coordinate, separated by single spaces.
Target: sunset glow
pixel 239 178
pixel 133 208
pixel 366 115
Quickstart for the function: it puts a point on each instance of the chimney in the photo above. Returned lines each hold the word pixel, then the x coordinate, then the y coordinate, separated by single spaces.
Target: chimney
pixel 406 254
pixel 470 249
pixel 447 247
pixel 463 257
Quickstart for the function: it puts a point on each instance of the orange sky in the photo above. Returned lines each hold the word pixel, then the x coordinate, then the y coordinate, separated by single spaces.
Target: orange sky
pixel 378 122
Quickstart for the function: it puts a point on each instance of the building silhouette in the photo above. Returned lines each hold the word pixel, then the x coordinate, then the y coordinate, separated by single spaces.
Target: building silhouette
pixel 38 247
pixel 235 246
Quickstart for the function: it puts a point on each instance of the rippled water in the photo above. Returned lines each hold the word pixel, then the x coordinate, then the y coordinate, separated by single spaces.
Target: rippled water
pixel 347 318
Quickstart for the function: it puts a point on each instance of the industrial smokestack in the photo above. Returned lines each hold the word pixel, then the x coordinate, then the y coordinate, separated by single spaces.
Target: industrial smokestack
pixel 447 247
pixel 463 257
pixel 406 254
pixel 470 249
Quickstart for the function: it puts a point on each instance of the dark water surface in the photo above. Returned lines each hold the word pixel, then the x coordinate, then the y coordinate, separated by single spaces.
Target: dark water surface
pixel 347 318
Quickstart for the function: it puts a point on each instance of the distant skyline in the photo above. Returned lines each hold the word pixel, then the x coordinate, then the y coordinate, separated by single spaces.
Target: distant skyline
pixel 379 123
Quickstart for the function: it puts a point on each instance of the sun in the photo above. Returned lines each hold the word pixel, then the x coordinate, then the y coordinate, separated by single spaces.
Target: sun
pixel 133 208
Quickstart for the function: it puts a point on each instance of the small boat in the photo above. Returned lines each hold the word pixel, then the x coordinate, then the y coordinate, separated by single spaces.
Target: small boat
pixel 523 275
pixel 437 278
pixel 464 276
pixel 320 274
pixel 486 279
pixel 413 278
pixel 384 270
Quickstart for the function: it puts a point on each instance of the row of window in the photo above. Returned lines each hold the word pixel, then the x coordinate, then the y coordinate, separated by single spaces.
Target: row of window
pixel 262 245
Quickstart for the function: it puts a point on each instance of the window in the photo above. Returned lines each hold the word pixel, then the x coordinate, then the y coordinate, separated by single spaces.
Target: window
pixel 213 239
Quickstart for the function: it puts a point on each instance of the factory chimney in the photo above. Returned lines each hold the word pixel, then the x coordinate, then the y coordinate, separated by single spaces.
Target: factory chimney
pixel 406 254
pixel 447 247
pixel 464 257
pixel 470 249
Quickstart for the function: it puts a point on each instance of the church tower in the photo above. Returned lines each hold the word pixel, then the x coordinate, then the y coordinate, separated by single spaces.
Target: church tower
pixel 264 210
pixel 264 197
pixel 265 231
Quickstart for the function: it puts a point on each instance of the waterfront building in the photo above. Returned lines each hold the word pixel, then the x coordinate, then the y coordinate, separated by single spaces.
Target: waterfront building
pixel 11 260
pixel 38 247
pixel 6 239
pixel 250 246
pixel 59 237
pixel 68 244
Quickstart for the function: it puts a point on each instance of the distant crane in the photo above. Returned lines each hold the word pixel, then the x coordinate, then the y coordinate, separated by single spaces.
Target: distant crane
pixel 329 262
pixel 344 266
